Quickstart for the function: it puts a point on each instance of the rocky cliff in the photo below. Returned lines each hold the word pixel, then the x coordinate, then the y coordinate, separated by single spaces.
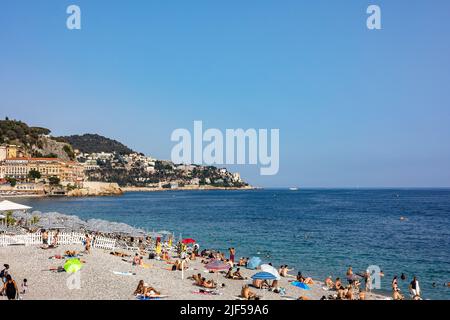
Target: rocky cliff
pixel 96 189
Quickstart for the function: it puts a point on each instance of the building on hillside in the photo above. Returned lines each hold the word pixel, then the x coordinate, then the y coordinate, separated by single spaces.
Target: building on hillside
pixel 90 165
pixel 11 151
pixel 66 171
pixel 3 153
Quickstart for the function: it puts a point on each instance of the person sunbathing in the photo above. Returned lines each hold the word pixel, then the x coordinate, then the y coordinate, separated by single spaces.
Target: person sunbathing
pixel 119 254
pixel 70 253
pixel 302 279
pixel 362 295
pixel 349 293
pixel 338 284
pixel 396 295
pixel 209 284
pixel 341 293
pixel 237 275
pixel 165 256
pixel 247 294
pixel 258 283
pixel 197 278
pixel 229 274
pixel 274 286
pixel 329 283
pixel 284 271
pixel 145 290
pixel 180 265
pixel 136 260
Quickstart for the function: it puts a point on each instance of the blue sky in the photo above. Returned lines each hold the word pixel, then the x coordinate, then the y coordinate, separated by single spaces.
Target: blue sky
pixel 355 108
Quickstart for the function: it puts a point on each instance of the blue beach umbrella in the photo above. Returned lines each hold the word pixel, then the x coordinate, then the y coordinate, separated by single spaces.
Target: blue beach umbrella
pixel 264 276
pixel 253 263
pixel 301 285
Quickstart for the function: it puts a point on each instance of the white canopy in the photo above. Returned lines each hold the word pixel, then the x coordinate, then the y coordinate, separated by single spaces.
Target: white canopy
pixel 6 205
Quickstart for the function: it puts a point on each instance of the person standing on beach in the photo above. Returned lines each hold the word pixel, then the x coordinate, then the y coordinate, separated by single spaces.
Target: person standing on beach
pixel 55 238
pixel 44 237
pixel 394 283
pixel 10 288
pixel 414 288
pixel 88 243
pixel 24 286
pixel 158 248
pixel 232 254
pixel 368 280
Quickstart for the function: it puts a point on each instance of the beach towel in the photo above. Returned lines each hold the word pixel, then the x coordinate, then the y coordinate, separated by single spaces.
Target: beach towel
pixel 207 292
pixel 124 273
pixel 152 297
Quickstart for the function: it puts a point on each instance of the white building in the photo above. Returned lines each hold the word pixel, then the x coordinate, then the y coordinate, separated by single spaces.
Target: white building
pixel 3 153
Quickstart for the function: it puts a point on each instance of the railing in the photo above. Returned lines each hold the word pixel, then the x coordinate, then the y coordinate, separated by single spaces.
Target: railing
pixel 104 243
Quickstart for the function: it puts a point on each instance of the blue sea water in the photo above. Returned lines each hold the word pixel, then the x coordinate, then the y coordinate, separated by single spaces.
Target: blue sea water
pixel 317 232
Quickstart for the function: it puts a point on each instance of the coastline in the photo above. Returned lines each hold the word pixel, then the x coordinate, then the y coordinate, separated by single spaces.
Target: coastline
pixel 187 188
pixel 124 190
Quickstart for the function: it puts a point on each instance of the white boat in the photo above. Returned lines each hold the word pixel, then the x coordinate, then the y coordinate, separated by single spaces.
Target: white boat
pixel 293 189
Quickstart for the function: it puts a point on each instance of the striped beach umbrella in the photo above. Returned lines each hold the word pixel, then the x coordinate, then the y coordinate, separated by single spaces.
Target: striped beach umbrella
pixel 264 276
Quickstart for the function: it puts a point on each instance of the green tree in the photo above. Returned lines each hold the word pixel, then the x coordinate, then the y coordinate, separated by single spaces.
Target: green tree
pixel 9 218
pixel 34 174
pixel 54 181
pixel 11 181
pixel 68 150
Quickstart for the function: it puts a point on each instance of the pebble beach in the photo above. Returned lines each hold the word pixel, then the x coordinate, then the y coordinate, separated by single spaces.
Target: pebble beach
pixel 98 279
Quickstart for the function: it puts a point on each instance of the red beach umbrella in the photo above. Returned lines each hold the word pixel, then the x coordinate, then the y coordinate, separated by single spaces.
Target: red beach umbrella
pixel 188 241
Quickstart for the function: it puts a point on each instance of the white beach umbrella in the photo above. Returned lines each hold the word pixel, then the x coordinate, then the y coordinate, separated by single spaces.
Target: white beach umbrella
pixel 7 205
pixel 270 269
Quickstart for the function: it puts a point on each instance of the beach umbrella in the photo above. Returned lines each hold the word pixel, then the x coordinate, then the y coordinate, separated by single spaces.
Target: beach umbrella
pixel 73 265
pixel 264 276
pixel 270 269
pixel 7 205
pixel 300 285
pixel 217 265
pixel 188 241
pixel 253 263
pixel 49 224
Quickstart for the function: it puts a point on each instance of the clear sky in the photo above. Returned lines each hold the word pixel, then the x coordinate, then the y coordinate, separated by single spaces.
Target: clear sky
pixel 355 108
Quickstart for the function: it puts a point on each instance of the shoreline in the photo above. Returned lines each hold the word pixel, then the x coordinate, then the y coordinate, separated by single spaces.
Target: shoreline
pixel 128 190
pixel 202 188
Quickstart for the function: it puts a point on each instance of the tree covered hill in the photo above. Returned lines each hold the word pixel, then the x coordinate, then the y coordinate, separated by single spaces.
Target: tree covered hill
pixel 35 141
pixel 19 133
pixel 94 143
